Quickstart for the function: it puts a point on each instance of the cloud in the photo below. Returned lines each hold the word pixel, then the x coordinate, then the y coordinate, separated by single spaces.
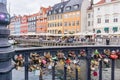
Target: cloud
pixel 29 6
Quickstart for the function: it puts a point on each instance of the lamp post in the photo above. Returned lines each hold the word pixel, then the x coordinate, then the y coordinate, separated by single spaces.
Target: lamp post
pixel 5 47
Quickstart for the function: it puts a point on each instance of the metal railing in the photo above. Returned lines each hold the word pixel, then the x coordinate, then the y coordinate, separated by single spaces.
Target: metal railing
pixel 88 57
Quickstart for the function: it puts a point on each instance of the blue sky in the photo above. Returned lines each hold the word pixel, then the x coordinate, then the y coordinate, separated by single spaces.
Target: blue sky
pixel 29 6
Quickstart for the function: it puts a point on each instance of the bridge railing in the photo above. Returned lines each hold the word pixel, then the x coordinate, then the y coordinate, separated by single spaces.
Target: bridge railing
pixel 51 43
pixel 91 56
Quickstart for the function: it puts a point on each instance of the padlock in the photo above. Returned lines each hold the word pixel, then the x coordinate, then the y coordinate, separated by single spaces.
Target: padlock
pixel 107 52
pixel 19 61
pixel 82 53
pixel 113 55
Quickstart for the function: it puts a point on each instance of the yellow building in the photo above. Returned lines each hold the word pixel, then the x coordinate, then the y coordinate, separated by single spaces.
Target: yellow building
pixel 68 17
pixel 71 22
pixel 75 13
pixel 55 18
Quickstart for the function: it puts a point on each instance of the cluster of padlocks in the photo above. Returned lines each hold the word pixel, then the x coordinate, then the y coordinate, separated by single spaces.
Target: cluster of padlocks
pixel 105 57
pixel 37 62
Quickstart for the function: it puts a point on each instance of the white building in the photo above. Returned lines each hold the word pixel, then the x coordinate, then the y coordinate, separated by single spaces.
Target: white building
pixel 90 18
pixel 107 16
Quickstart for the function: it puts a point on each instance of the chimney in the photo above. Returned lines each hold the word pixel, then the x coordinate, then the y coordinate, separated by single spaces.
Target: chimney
pixel 92 1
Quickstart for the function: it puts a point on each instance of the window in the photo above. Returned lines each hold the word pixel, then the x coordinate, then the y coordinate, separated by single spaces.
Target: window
pixel 55 11
pixel 61 6
pixel 61 24
pixel 73 23
pixel 106 20
pixel 99 20
pixel 76 6
pixel 98 9
pixel 65 23
pixel 68 7
pixel 60 10
pixel 77 23
pixel 115 20
pixel 88 15
pixel 69 23
pixel 88 23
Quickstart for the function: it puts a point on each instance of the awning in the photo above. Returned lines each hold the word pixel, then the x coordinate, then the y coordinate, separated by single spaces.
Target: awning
pixel 106 29
pixel 115 29
pixel 98 31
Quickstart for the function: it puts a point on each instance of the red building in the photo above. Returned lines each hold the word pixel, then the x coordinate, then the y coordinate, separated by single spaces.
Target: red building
pixel 41 26
pixel 24 25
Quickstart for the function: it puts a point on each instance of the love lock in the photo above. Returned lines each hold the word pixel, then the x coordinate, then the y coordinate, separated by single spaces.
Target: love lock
pixel 113 55
pixel 106 61
pixel 34 58
pixel 19 61
pixel 82 53
pixel 97 55
pixel 107 52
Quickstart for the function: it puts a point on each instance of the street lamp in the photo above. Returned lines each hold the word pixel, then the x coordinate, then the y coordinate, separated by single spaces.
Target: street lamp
pixel 5 47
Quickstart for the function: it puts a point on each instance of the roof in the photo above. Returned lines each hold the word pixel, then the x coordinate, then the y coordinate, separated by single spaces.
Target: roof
pixel 57 8
pixel 103 1
pixel 71 4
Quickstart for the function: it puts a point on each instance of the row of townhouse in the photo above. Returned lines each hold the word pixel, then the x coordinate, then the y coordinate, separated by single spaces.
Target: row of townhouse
pixel 71 16
pixel 64 17
pixel 104 17
pixel 34 23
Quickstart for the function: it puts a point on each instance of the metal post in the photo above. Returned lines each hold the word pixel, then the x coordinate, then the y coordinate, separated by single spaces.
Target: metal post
pixel 113 70
pixel 65 72
pixel 53 72
pixel 88 69
pixel 26 67
pixel 6 51
pixel 100 70
pixel 88 51
pixel 76 75
pixel 41 74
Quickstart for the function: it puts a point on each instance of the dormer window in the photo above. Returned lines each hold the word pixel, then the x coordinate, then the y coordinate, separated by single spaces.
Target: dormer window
pixel 60 10
pixel 76 6
pixel 68 7
pixel 61 6
pixel 55 11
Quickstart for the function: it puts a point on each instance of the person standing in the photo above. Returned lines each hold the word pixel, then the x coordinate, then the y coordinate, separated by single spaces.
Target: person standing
pixel 107 41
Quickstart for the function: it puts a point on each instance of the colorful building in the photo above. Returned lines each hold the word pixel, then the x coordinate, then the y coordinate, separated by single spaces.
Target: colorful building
pixel 107 16
pixel 17 24
pixel 68 17
pixel 75 13
pixel 32 20
pixel 11 25
pixel 41 24
pixel 55 18
pixel 24 24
